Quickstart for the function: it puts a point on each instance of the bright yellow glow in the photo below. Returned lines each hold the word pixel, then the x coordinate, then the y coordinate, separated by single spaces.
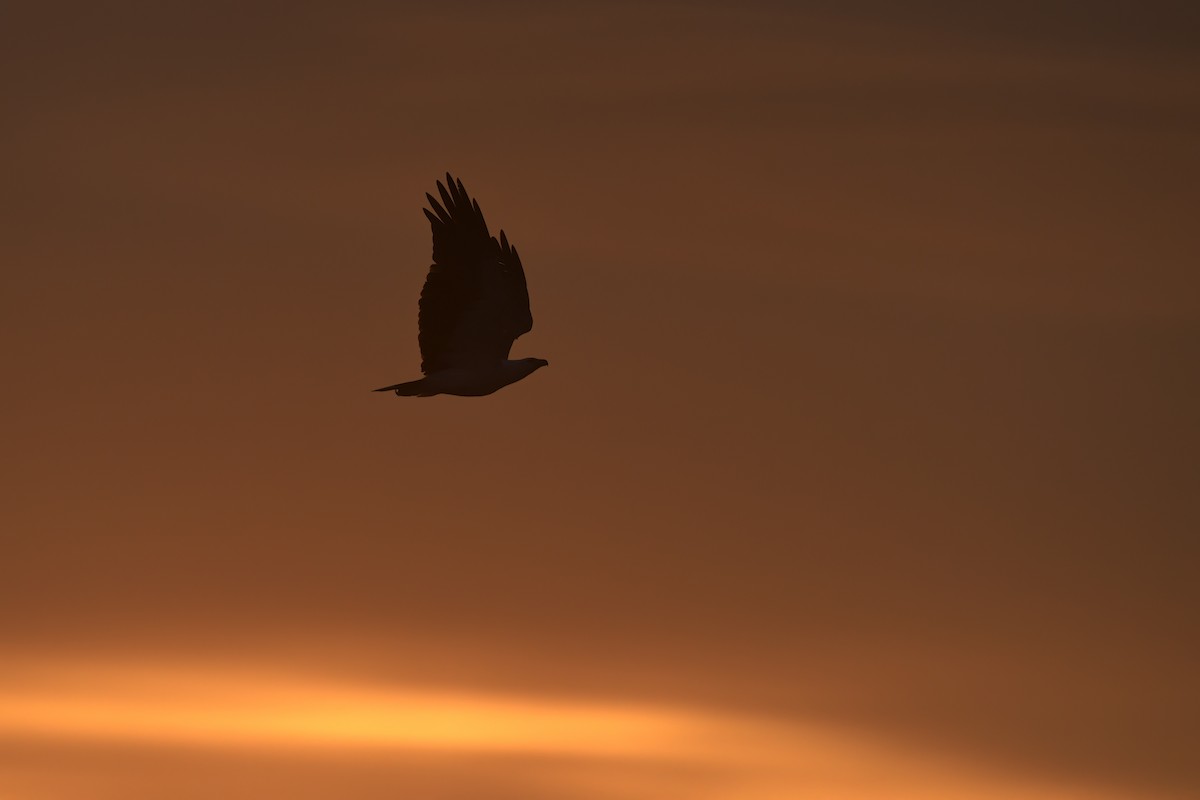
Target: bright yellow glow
pixel 242 709
pixel 758 759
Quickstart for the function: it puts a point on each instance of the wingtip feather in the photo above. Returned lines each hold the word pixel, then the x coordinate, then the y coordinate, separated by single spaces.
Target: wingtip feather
pixel 447 197
pixel 442 213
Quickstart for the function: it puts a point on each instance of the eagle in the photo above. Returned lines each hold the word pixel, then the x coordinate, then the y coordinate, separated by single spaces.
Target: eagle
pixel 474 304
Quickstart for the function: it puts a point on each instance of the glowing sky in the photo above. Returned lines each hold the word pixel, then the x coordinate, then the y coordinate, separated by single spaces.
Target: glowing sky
pixel 153 707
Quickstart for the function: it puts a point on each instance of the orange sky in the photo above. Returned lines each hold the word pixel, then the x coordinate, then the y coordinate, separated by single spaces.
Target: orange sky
pixel 865 466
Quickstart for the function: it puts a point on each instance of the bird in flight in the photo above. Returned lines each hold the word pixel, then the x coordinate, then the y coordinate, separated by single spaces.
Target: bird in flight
pixel 473 306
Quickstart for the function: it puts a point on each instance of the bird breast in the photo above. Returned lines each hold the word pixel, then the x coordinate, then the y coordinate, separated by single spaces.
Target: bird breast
pixel 475 381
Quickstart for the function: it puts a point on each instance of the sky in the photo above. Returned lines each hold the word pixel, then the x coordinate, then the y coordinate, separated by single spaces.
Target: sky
pixel 865 466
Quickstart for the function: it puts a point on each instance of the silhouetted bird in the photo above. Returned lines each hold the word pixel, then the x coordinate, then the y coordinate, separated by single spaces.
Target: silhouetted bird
pixel 473 307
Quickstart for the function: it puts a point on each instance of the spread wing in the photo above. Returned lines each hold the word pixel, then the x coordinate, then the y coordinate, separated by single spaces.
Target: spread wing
pixel 475 302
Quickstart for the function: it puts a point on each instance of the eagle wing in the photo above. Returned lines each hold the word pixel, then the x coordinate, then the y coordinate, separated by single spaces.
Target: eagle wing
pixel 475 302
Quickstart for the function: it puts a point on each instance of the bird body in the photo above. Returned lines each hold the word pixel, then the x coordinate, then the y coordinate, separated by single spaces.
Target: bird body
pixel 473 306
pixel 475 381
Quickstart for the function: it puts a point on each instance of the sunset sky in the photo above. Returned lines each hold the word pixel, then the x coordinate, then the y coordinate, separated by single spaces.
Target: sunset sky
pixel 866 466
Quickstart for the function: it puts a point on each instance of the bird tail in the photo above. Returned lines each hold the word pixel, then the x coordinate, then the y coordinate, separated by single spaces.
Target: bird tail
pixel 409 389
